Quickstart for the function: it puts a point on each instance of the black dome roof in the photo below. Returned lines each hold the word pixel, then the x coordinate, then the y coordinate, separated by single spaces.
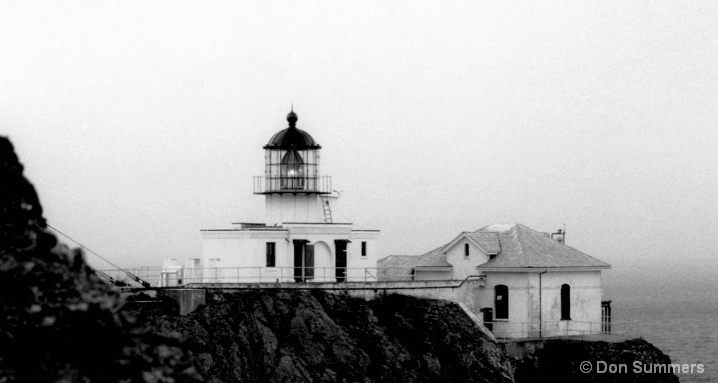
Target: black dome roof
pixel 292 138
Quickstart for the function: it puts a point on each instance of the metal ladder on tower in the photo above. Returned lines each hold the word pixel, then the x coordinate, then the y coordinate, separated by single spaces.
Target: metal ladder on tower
pixel 327 210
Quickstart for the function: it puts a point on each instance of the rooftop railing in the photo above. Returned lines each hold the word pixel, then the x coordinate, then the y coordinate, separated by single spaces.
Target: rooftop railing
pixel 178 276
pixel 306 184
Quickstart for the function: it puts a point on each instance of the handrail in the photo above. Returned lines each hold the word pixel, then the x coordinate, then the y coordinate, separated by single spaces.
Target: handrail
pixel 177 275
pixel 473 277
pixel 523 329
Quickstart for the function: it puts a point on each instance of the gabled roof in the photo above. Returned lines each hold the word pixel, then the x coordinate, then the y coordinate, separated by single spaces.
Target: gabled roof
pixel 516 246
pixel 396 266
pixel 522 247
pixel 398 261
pixel 434 258
pixel 486 240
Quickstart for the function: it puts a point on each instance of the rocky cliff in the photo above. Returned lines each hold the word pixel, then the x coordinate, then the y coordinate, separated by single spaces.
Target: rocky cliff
pixel 560 360
pixel 298 336
pixel 58 321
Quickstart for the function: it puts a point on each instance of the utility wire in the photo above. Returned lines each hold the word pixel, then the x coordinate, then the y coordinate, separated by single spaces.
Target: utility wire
pixel 83 246
pixel 129 274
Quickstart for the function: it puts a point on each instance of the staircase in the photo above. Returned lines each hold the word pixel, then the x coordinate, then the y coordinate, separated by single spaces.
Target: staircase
pixel 327 210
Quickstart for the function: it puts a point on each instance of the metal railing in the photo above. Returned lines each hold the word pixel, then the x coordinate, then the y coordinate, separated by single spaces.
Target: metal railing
pixel 298 184
pixel 151 275
pixel 178 276
pixel 504 329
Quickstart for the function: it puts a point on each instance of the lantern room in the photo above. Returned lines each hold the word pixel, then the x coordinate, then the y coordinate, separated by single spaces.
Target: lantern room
pixel 292 163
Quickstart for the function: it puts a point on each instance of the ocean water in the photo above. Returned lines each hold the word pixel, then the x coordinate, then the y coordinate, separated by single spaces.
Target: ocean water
pixel 682 321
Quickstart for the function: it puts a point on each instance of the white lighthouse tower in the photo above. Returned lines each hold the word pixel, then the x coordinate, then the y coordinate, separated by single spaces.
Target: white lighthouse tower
pixel 300 240
pixel 293 188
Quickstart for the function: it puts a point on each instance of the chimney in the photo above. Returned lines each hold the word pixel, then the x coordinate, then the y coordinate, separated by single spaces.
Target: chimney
pixel 559 236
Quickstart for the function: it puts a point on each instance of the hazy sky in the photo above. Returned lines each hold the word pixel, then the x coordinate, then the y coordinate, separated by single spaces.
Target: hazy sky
pixel 141 123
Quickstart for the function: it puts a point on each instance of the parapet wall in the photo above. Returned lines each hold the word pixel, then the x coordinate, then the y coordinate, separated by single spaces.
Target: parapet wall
pixel 464 292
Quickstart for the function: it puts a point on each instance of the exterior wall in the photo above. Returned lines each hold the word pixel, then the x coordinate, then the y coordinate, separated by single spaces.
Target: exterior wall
pixel 336 208
pixel 519 297
pixel 239 256
pixel 585 303
pixel 289 207
pixel 443 290
pixel 524 303
pixel 226 251
pixel 464 266
pixel 421 275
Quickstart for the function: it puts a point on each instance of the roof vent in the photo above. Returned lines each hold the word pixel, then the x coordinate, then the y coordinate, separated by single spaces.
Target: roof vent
pixel 559 236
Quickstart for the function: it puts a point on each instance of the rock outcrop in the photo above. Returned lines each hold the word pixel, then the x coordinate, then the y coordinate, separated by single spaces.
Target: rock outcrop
pixel 58 321
pixel 560 360
pixel 301 336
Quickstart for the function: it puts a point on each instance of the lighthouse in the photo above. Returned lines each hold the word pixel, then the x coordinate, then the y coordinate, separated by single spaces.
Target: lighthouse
pixel 293 188
pixel 300 240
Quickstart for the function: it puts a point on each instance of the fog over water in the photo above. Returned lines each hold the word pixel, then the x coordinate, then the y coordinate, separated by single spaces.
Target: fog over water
pixel 142 123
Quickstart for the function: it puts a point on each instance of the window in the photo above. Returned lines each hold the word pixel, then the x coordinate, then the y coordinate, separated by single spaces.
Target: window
pixel 363 249
pixel 566 302
pixel 501 301
pixel 466 249
pixel 291 170
pixel 271 258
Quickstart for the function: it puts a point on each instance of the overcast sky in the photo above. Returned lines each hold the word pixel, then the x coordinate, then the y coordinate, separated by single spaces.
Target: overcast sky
pixel 141 123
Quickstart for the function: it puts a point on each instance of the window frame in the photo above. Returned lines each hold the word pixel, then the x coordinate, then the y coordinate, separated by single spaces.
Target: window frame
pixel 565 301
pixel 501 305
pixel 271 256
pixel 363 249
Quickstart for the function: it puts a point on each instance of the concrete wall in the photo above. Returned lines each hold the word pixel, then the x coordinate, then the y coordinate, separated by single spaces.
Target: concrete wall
pixel 460 292
pixel 525 319
pixel 289 207
pixel 585 302
pixel 465 294
pixel 464 266
pixel 475 294
pixel 233 256
pixel 432 275
pixel 519 297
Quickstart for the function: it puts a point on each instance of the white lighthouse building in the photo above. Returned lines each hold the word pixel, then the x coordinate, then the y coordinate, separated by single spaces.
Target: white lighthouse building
pixel 299 241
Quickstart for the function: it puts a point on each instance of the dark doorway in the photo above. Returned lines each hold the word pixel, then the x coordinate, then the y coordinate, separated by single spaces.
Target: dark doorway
pixel 488 318
pixel 303 260
pixel 341 257
pixel 606 317
pixel 501 301
pixel 565 302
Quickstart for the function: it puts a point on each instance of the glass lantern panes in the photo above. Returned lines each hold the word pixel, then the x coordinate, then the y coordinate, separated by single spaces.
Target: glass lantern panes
pixel 291 170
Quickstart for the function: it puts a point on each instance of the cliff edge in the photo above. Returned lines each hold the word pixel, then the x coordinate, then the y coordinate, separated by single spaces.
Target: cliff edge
pixel 58 321
pixel 301 336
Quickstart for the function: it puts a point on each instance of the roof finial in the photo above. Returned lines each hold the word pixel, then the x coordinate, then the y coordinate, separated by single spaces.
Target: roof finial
pixel 292 117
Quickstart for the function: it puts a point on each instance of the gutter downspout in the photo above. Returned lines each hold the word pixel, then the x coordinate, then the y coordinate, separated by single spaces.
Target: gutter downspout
pixel 540 307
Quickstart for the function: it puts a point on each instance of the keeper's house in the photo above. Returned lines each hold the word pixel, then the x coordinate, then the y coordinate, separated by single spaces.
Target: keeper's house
pixel 535 285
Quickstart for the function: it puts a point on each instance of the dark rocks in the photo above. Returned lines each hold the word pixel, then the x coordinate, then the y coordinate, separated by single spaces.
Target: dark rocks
pixel 298 336
pixel 560 360
pixel 58 321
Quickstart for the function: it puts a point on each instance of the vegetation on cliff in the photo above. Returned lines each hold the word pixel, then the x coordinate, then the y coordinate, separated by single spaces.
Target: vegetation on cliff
pixel 301 336
pixel 560 359
pixel 58 321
